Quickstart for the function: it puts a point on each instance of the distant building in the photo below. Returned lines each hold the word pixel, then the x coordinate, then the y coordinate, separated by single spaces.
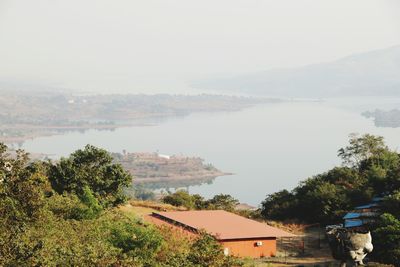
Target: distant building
pixel 238 236
pixel 163 156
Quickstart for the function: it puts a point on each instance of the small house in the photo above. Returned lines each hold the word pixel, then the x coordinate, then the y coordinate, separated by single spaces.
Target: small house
pixel 238 236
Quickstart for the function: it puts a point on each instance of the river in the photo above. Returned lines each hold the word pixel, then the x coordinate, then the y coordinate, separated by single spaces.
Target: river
pixel 268 147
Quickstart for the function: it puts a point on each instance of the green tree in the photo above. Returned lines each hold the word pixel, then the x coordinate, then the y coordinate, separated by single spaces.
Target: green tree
pixel 140 243
pixel 372 169
pixel 180 198
pixel 361 148
pixel 344 177
pixel 391 204
pixel 89 208
pixel 222 202
pixel 91 168
pixel 279 206
pixel 207 252
pixel 320 201
pixel 387 240
pixel 23 192
pixel 199 202
pixel 383 173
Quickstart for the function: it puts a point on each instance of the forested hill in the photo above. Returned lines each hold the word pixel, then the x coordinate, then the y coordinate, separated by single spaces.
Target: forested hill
pixel 370 73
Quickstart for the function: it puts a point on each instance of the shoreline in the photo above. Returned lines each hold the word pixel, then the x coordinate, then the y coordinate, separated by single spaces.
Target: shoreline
pixel 47 131
pixel 34 118
pixel 155 180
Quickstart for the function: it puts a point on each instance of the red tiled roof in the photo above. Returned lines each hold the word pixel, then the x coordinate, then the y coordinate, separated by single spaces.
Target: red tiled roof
pixel 222 224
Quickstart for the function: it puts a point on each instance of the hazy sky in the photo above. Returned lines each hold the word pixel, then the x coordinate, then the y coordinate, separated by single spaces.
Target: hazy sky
pixel 156 45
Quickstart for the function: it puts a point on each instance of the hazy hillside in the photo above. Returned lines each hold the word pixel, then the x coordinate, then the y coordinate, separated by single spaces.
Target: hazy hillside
pixel 28 114
pixel 372 73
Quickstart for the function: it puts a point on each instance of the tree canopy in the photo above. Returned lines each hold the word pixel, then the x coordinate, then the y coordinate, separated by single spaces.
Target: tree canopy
pixel 91 169
pixel 184 199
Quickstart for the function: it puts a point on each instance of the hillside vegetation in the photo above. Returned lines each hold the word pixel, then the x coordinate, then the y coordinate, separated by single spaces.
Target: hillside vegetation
pixel 369 169
pixel 66 214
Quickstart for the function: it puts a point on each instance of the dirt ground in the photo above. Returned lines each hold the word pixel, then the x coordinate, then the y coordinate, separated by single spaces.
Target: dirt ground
pixel 309 249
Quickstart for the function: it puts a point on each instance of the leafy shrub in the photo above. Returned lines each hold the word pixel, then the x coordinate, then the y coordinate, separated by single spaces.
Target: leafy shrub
pixel 386 239
pixel 184 199
pixel 180 198
pixel 206 251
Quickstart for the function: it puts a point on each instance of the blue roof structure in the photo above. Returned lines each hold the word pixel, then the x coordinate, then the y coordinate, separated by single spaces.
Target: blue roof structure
pixel 363 215
pixel 353 223
pixel 377 199
pixel 352 215
pixel 368 206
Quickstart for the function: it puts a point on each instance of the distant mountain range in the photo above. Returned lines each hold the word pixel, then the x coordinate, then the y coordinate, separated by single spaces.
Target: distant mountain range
pixel 367 74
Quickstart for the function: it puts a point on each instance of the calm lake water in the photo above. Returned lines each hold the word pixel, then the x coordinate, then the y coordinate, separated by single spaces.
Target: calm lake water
pixel 268 147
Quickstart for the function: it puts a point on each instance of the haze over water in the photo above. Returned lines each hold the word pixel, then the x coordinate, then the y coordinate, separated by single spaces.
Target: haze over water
pixel 268 147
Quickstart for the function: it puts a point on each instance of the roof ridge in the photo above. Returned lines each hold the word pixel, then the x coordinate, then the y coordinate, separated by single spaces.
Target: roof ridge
pixel 222 224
